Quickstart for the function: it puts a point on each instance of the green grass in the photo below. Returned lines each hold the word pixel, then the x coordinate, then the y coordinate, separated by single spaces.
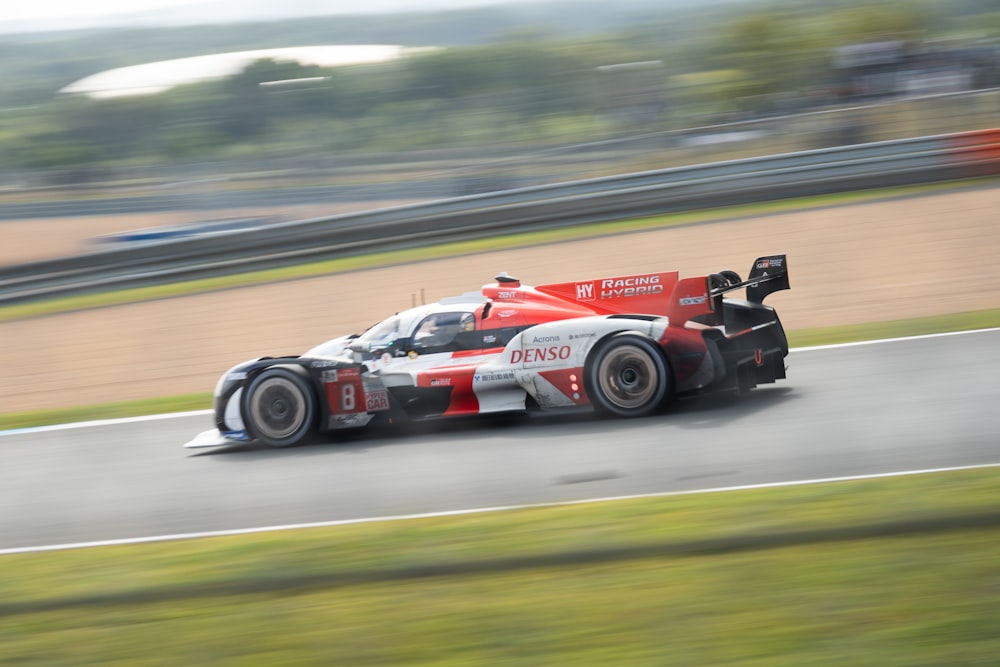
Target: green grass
pixel 896 571
pixel 984 319
pixel 980 319
pixel 511 241
pixel 135 408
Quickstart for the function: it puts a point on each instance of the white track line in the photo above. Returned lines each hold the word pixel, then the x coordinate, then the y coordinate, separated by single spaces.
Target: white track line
pixel 879 341
pixel 481 510
pixel 105 422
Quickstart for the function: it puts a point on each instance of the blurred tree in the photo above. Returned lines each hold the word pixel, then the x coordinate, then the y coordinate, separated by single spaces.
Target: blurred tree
pixel 65 159
pixel 768 47
pixel 121 126
pixel 245 111
pixel 880 22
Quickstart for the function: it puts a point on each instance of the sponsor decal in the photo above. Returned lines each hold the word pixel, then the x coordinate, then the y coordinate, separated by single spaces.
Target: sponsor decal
pixel 440 382
pixel 585 291
pixel 322 364
pixel 503 376
pixel 693 300
pixel 618 288
pixel 758 357
pixel 329 376
pixel 377 400
pixel 346 420
pixel 489 340
pixel 579 336
pixel 506 295
pixel 507 313
pixel 535 354
pixel 772 263
pixel 545 339
pixel 238 376
pixel 412 355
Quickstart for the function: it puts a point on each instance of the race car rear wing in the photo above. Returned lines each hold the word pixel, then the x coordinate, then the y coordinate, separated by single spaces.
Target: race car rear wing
pixel 699 299
pixel 768 275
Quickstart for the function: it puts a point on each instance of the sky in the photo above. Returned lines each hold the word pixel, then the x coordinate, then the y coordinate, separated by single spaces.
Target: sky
pixel 90 11
pixel 21 10
pixel 46 15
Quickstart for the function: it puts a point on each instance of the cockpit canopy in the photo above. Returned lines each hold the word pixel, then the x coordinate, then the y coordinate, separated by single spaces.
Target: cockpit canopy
pixel 449 326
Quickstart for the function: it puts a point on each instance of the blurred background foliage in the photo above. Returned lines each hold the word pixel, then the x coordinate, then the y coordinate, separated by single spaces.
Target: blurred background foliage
pixel 521 77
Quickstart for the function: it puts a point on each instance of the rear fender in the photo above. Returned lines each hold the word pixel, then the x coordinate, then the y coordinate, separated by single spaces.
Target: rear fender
pixel 548 360
pixel 567 343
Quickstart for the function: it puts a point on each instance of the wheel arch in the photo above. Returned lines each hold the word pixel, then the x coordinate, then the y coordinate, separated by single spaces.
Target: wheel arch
pixel 610 338
pixel 607 338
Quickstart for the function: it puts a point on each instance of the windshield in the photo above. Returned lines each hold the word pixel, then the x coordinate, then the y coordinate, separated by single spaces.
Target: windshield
pixel 425 329
pixel 379 338
pixel 381 335
pixel 442 331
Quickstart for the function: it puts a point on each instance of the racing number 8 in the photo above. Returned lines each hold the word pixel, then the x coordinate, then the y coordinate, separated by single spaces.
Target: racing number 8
pixel 345 395
pixel 348 398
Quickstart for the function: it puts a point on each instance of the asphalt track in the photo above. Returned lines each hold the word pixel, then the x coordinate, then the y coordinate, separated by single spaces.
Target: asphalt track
pixel 909 404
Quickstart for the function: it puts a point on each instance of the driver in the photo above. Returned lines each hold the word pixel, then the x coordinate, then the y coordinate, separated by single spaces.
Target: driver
pixel 442 328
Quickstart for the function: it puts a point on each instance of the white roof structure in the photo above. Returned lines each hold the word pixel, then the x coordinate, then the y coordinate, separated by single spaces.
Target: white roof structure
pixel 158 77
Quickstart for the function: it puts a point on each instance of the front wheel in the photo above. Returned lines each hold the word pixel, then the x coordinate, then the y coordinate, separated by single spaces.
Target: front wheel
pixel 627 377
pixel 279 407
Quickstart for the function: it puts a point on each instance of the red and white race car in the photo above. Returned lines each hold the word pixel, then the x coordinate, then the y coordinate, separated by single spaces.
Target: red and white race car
pixel 624 346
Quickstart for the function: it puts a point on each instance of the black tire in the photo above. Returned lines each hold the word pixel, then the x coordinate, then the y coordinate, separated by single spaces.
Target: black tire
pixel 731 277
pixel 627 376
pixel 723 279
pixel 279 407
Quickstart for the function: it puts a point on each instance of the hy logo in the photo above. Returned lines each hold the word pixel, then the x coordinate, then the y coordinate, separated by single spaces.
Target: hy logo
pixel 584 291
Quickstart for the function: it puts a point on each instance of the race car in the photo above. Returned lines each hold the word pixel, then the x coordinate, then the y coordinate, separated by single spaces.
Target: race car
pixel 624 346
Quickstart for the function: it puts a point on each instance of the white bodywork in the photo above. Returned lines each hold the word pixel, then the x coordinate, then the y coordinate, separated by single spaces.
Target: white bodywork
pixel 500 378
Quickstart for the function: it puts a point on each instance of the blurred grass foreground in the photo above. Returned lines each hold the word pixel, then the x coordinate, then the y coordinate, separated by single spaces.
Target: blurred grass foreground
pixel 896 571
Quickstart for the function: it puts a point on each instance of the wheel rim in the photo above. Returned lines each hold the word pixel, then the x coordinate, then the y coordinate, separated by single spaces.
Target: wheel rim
pixel 628 377
pixel 278 408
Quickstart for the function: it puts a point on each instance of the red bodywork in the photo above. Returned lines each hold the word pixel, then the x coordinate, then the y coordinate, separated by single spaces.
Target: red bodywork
pixel 648 293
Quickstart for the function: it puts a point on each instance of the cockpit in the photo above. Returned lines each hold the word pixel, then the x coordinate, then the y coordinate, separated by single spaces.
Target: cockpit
pixel 434 328
pixel 446 332
pixel 456 324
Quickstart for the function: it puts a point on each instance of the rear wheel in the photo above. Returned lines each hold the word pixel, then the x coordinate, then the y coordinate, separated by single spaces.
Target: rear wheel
pixel 627 377
pixel 279 407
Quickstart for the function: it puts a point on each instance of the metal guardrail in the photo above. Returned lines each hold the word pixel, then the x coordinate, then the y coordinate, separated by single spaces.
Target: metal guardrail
pixel 823 171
